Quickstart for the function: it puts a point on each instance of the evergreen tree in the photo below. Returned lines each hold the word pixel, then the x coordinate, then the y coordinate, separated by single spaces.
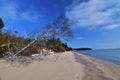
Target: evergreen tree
pixel 1 25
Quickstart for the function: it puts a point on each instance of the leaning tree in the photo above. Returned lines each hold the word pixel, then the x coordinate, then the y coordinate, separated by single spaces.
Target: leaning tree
pixel 59 27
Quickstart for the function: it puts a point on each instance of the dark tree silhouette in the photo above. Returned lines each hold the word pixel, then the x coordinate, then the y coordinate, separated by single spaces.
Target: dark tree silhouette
pixel 1 25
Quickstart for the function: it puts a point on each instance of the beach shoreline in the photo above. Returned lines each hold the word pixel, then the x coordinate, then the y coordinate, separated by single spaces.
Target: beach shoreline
pixel 61 66
pixel 97 69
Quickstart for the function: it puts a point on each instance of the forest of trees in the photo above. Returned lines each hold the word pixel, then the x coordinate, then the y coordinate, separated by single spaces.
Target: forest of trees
pixel 12 44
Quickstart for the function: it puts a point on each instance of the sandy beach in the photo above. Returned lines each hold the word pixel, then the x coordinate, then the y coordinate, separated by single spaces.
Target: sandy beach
pixel 61 66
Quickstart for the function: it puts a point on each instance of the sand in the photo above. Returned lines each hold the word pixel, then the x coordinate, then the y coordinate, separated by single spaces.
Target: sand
pixel 61 66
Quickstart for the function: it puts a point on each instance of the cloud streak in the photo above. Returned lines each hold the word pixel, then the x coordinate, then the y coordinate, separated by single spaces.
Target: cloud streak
pixel 94 14
pixel 10 10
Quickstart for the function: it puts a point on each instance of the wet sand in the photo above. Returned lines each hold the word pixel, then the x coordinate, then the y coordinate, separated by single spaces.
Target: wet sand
pixel 97 69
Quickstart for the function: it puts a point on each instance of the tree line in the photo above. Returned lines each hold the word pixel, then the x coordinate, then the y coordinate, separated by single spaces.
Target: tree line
pixel 12 44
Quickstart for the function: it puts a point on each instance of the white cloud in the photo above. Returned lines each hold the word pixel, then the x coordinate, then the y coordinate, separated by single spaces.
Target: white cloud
pixel 112 26
pixel 95 13
pixel 10 10
pixel 30 16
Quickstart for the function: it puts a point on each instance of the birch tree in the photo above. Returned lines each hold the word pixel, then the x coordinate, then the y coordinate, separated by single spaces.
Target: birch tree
pixel 59 28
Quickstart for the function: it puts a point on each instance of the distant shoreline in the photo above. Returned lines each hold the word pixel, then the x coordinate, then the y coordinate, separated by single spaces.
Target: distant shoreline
pixel 82 49
pixel 110 55
pixel 96 58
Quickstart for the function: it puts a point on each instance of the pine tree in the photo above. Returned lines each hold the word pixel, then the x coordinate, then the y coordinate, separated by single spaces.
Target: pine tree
pixel 1 25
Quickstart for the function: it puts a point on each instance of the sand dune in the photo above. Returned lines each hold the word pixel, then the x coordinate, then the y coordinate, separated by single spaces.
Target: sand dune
pixel 62 66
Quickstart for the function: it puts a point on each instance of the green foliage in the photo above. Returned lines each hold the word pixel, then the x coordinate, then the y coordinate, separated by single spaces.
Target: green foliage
pixel 9 42
pixel 3 48
pixel 12 43
pixel 57 45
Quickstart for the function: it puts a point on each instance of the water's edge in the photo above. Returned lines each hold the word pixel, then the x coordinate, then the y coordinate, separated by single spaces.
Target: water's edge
pixel 110 55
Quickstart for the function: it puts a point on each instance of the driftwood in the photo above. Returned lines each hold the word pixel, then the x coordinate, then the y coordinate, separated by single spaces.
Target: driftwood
pixel 32 42
pixel 23 49
pixel 44 35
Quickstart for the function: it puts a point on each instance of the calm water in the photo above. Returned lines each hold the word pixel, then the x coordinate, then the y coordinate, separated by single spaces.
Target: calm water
pixel 111 55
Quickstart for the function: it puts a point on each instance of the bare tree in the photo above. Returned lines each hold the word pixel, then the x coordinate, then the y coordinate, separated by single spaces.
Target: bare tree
pixel 59 27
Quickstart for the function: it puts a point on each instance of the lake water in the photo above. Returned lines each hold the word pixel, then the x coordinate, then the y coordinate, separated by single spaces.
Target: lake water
pixel 111 55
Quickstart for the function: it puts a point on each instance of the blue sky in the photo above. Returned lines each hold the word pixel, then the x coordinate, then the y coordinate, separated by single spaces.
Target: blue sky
pixel 96 22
